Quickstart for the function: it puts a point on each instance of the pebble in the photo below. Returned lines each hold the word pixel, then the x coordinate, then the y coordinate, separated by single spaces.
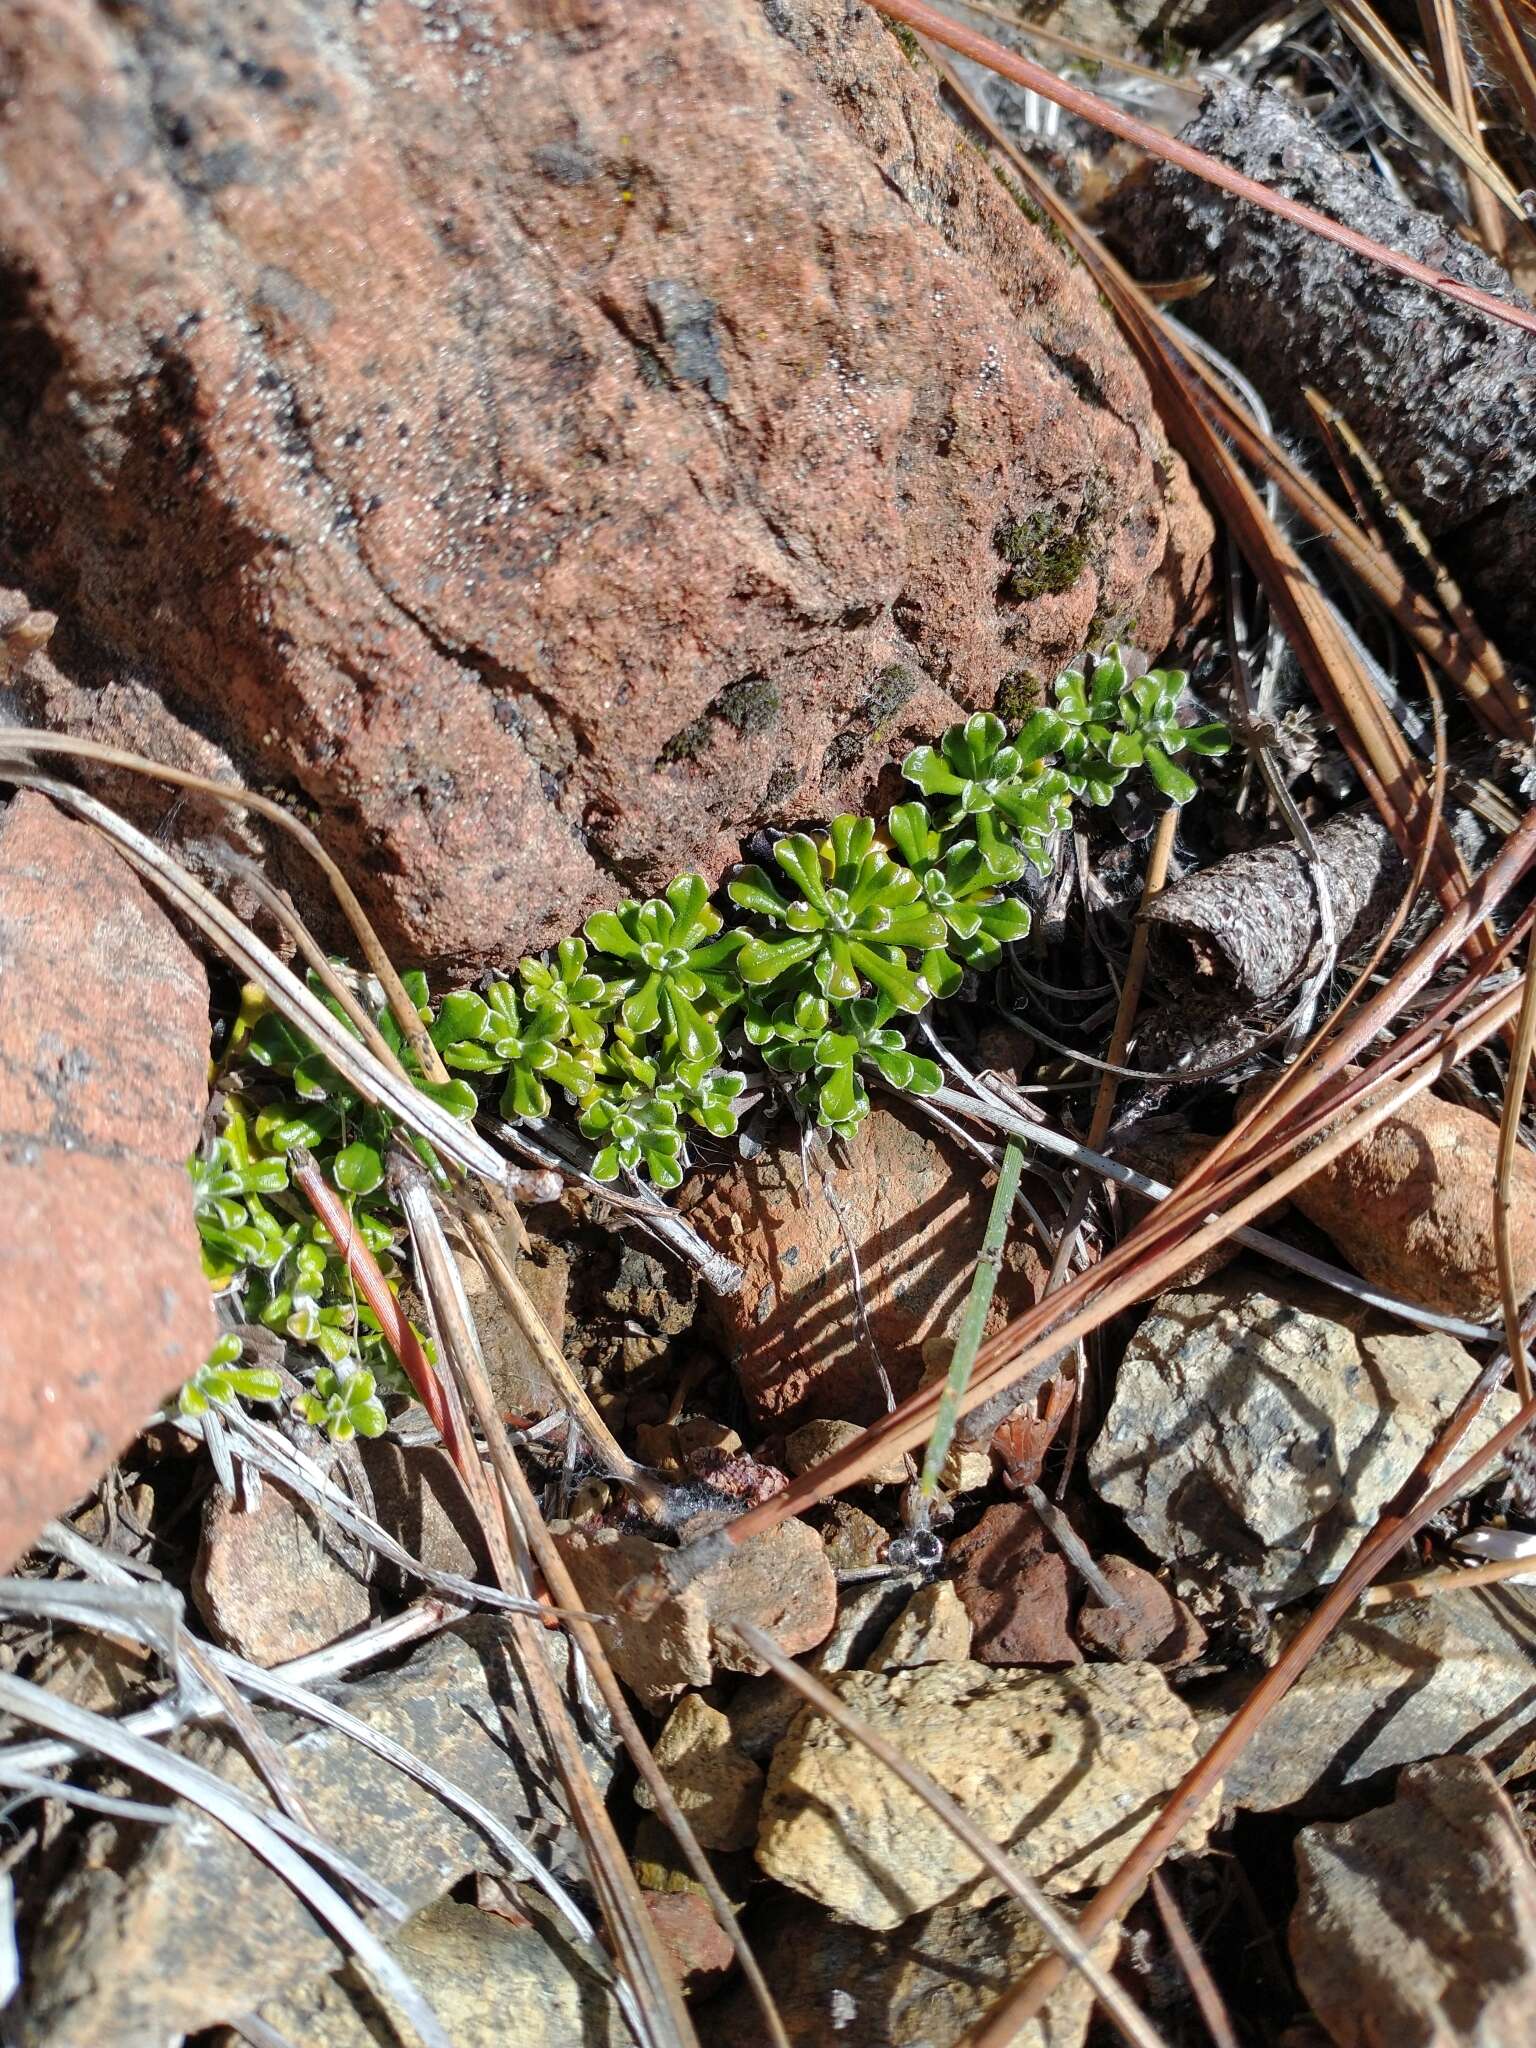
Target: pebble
pixel 272 1582
pixel 1016 1589
pixel 1151 1625
pixel 718 1788
pixel 933 1628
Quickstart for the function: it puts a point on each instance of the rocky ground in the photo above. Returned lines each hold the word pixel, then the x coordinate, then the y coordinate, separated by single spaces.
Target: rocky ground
pixel 549 448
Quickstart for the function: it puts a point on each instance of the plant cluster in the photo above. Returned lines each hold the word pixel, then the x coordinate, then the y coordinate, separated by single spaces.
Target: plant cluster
pixel 812 969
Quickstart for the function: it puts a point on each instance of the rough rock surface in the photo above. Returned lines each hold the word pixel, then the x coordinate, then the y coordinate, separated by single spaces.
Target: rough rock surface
pixel 1065 1768
pixel 924 1985
pixel 1268 1434
pixel 780 1582
pixel 1438 393
pixel 124 1956
pixel 699 1947
pixel 419 1500
pixel 271 1581
pixel 814 1442
pixel 1417 1923
pixel 913 1206
pixel 544 441
pixel 1388 1688
pixel 474 1969
pixel 717 1787
pixel 103 1083
pixel 1150 1625
pixel 1016 1589
pixel 1411 1208
pixel 933 1628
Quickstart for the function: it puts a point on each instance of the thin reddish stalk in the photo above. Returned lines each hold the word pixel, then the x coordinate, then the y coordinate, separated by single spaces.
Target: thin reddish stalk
pixel 928 21
pixel 380 1297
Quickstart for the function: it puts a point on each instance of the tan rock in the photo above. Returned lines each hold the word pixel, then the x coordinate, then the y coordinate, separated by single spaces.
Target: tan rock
pixel 1416 1924
pixel 933 1628
pixel 1411 1208
pixel 518 1379
pixel 418 1499
pixel 779 1581
pixel 813 1443
pixel 272 1582
pixel 908 1199
pixel 718 1789
pixel 1061 1767
pixel 854 1540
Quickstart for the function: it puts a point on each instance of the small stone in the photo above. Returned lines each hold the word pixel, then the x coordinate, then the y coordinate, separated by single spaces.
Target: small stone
pixel 1152 1626
pixel 1411 1208
pixel 474 1969
pixel 92 1671
pixel 1267 1433
pixel 1416 1924
pixel 924 1985
pixel 933 1628
pixel 779 1581
pixel 272 1582
pixel 418 1499
pixel 813 1443
pixel 1060 1767
pixel 762 1710
pixel 660 1866
pixel 1015 1588
pixel 699 1946
pixel 855 1541
pixel 1392 1687
pixel 966 1472
pixel 718 1789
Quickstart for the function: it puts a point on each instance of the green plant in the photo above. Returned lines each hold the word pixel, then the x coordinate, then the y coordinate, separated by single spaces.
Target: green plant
pixel 1115 726
pixel 960 886
pixel 531 1041
pixel 344 1405
pixel 1004 794
pixel 225 1379
pixel 236 1227
pixel 635 1131
pixel 854 917
pixel 675 966
pixel 826 1044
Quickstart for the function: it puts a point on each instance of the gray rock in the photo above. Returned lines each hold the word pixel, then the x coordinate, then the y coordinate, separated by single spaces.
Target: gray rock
pixel 924 1985
pixel 1268 1434
pixel 273 1581
pixel 1426 1679
pixel 1417 1923
pixel 165 1931
pixel 474 1969
pixel 1063 1767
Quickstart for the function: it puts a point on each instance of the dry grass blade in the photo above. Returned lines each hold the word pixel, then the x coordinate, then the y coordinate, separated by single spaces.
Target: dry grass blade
pixel 1058 1930
pixel 94 1732
pixel 1442 33
pixel 1376 748
pixel 1212 2007
pixel 652 1996
pixel 1509 1144
pixel 1424 1585
pixel 1090 53
pixel 928 21
pixel 1375 41
pixel 1513 58
pixel 18 743
pixel 456 1140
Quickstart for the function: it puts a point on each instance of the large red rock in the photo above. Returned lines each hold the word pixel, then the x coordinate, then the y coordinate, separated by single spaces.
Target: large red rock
pixel 546 438
pixel 103 1083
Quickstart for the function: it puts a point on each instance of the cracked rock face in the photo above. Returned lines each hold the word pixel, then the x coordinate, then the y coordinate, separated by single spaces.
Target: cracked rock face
pixel 544 442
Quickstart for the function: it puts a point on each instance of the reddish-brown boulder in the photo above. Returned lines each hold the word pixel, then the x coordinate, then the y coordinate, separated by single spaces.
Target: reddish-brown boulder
pixel 912 1203
pixel 103 1082
pixel 545 440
